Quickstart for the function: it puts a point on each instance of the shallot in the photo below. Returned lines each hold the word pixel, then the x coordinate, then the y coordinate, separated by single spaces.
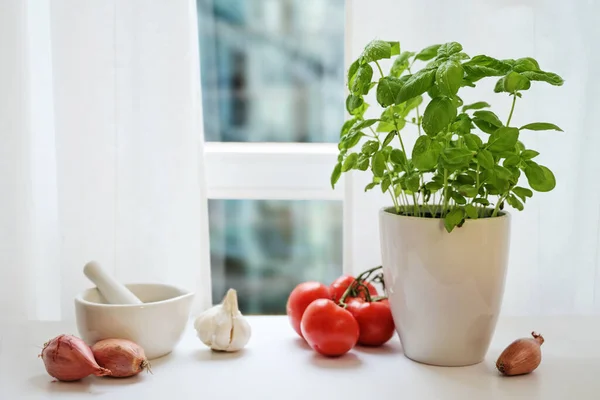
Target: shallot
pixel 123 357
pixel 68 358
pixel 522 356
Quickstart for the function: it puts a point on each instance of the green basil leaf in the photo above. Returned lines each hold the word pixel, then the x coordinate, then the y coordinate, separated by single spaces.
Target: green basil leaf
pixel 378 164
pixel 387 90
pixel 428 53
pixel 364 124
pixel 363 162
pixel 499 87
pixel 526 64
pixel 410 105
pixel 350 140
pixel 385 126
pixel 458 198
pixel 413 183
pixel 514 202
pixel 481 201
pixel 438 115
pixel 416 84
pixel 469 191
pixel 454 218
pixel 388 138
pixel 504 139
pixel 425 153
pixel 476 106
pixel 540 178
pixel 335 175
pixel 485 159
pixel 472 141
pixel 353 102
pixel 522 192
pixel 349 162
pixel 483 66
pixel 459 57
pixel 370 147
pixel 502 172
pixel 395 47
pixel 360 111
pixel 434 91
pixel 397 190
pixel 465 180
pixel 448 77
pixel 541 126
pixel 352 72
pixel 401 63
pixel 377 50
pixel 434 186
pixel 370 186
pixel 447 49
pixel 456 158
pixel 362 80
pixel 512 161
pixel 385 183
pixel 488 117
pixel 347 125
pixel 529 154
pixel 471 211
pixel 548 77
pixel 398 157
pixel 514 82
pixel 462 125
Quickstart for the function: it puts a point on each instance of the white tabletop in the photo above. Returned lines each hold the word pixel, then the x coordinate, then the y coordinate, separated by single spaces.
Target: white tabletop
pixel 278 365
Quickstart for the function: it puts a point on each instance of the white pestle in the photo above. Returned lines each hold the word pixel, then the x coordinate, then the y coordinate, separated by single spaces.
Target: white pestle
pixel 113 291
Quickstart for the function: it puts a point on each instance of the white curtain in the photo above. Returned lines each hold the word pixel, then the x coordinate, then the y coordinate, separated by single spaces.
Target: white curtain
pixel 554 262
pixel 101 153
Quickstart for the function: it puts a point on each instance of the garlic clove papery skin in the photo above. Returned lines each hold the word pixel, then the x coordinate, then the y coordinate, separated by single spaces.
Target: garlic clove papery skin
pixel 239 341
pixel 223 327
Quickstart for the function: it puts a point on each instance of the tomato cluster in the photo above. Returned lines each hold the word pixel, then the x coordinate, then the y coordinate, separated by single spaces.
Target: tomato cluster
pixel 333 319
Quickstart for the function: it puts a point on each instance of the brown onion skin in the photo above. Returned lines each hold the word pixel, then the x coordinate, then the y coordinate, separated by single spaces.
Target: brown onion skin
pixel 67 358
pixel 122 357
pixel 521 357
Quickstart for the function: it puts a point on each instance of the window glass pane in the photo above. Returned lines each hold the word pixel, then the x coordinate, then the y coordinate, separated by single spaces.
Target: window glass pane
pixel 264 248
pixel 272 70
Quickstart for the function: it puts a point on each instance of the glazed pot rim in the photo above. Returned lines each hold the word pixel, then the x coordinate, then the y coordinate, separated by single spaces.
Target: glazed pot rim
pixel 502 215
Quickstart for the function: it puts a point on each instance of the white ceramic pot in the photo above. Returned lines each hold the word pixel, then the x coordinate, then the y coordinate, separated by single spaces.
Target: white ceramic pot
pixel 445 289
pixel 157 325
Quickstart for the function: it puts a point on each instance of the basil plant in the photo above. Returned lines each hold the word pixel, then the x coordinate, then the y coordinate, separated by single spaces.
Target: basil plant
pixel 466 162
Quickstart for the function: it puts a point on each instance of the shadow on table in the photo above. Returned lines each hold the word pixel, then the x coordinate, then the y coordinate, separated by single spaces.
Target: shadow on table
pixel 301 344
pixel 48 384
pixel 347 361
pixel 211 355
pixel 556 377
pixel 388 348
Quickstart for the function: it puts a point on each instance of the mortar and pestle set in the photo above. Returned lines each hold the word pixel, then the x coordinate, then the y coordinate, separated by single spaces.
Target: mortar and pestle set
pixel 153 315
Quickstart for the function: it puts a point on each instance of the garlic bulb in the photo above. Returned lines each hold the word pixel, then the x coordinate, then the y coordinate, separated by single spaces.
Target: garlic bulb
pixel 223 327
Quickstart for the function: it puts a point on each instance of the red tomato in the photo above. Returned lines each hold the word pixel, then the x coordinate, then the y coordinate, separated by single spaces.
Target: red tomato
pixel 329 329
pixel 374 319
pixel 339 286
pixel 302 295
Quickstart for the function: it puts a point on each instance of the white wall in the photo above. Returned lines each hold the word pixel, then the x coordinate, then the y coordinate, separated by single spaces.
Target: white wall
pixel 554 260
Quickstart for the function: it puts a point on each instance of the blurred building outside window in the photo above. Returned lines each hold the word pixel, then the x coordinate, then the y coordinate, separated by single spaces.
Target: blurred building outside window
pixel 272 71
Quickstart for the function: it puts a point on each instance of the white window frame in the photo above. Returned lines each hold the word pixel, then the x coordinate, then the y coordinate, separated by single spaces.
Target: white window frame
pixel 285 171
